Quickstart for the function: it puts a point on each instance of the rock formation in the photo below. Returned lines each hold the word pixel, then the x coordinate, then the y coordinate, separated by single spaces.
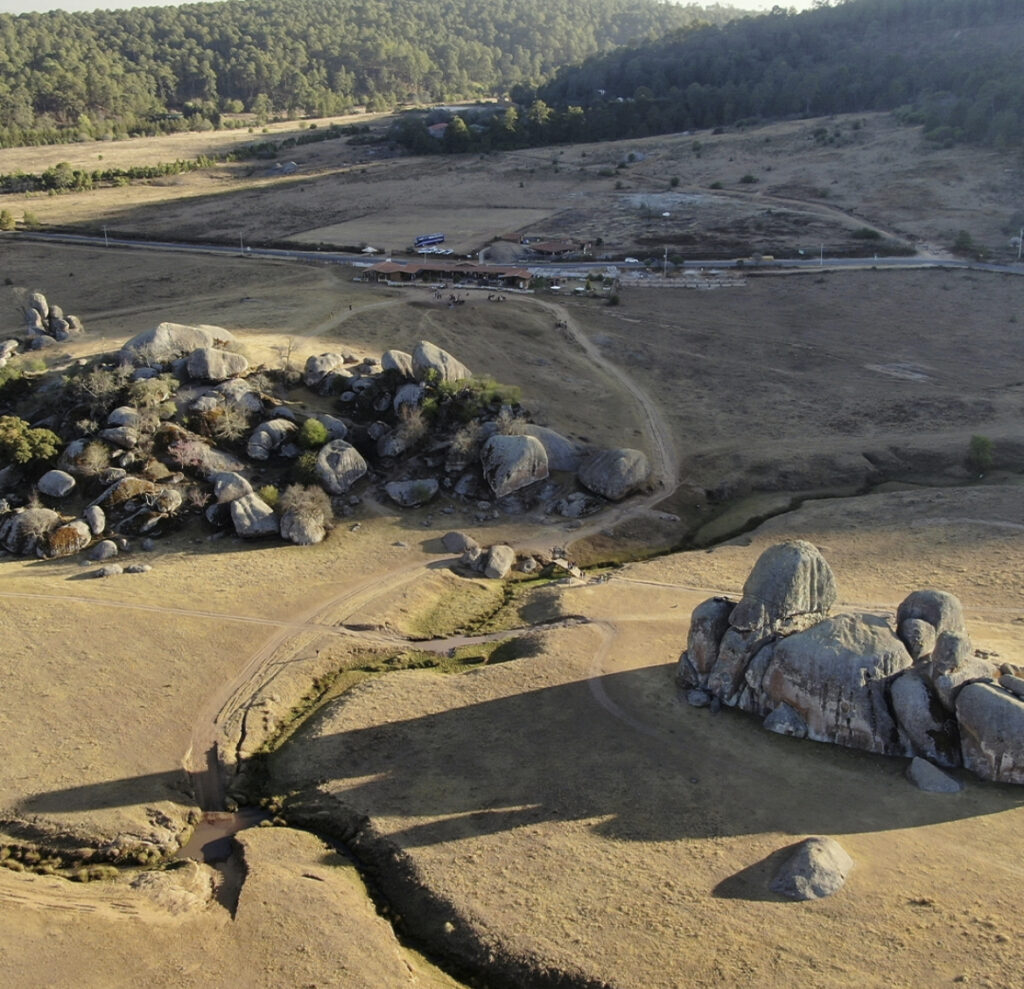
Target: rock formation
pixel 917 690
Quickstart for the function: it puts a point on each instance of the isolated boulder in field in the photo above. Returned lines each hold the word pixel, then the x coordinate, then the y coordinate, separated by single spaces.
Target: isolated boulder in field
pixel 212 364
pixel 22 532
pixel 791 586
pixel 927 725
pixel 56 483
pixel 500 560
pixel 268 437
pixel 65 540
pixel 708 624
pixel 458 542
pixel 928 777
pixel 303 528
pixel 338 466
pixel 253 517
pixel 614 474
pixel 169 341
pixel 991 732
pixel 835 676
pixel 429 359
pixel 562 453
pixel 409 494
pixel 817 868
pixel 318 366
pixel 95 518
pixel 410 394
pixel 227 486
pixel 938 608
pixel 75 326
pixel 513 462
pixel 398 361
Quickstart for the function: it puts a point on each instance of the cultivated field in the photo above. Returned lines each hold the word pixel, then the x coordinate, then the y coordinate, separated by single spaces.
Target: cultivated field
pixel 565 809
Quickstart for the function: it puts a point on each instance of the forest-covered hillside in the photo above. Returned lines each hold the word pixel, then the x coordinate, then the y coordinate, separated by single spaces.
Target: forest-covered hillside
pixel 953 65
pixel 64 76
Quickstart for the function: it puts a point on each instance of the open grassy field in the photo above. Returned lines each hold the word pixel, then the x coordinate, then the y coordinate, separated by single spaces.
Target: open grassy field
pixel 564 809
pixel 777 189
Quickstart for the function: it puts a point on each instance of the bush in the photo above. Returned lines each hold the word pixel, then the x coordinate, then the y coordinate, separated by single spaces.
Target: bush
pixel 304 470
pixel 6 220
pixel 21 444
pixel 613 299
pixel 270 495
pixel 866 233
pixel 313 434
pixel 715 185
pixel 748 179
pixel 308 502
pixel 980 454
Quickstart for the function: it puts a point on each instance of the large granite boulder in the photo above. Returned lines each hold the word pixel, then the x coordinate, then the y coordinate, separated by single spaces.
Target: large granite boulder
pixel 835 675
pixel 562 453
pixel 513 462
pixel 614 474
pixel 399 362
pixel 227 486
pixel 56 484
pixel 409 494
pixel 500 560
pixel 410 394
pixel 953 664
pixel 240 393
pixel 817 868
pixel 339 465
pixel 212 364
pixel 928 726
pixel 169 341
pixel 318 366
pixel 938 608
pixel 66 540
pixel 791 587
pixel 708 625
pixel 268 437
pixel 124 415
pixel 429 360
pixel 252 517
pixel 303 528
pixel 991 732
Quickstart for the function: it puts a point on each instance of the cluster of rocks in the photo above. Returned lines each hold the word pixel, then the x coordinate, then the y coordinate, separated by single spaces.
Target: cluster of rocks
pixel 497 561
pixel 46 323
pixel 917 690
pixel 151 468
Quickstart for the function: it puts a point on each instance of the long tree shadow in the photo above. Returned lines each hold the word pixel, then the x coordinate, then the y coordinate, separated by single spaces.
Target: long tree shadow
pixel 560 753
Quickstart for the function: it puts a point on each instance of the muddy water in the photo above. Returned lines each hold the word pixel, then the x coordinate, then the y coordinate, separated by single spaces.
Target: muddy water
pixel 212 841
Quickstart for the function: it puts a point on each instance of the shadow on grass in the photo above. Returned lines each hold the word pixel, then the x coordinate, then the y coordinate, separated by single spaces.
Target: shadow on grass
pixel 621 752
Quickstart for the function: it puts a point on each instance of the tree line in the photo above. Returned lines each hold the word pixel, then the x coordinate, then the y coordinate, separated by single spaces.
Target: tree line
pixel 77 76
pixel 952 65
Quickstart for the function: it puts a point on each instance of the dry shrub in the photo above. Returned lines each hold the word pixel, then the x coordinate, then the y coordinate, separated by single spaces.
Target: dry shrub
pixel 307 501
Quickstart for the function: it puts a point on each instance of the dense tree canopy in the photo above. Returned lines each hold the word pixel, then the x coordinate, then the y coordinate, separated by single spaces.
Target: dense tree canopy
pixel 69 76
pixel 953 65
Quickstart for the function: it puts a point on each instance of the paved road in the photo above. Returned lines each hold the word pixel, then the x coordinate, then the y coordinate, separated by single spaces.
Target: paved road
pixel 548 269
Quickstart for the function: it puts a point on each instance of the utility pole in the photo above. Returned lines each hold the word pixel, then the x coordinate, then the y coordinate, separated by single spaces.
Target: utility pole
pixel 241 245
pixel 821 256
pixel 664 264
pixel 1020 242
pixel 106 239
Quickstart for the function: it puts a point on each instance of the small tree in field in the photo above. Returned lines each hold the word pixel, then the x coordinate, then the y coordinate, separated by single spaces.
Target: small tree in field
pixel 980 454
